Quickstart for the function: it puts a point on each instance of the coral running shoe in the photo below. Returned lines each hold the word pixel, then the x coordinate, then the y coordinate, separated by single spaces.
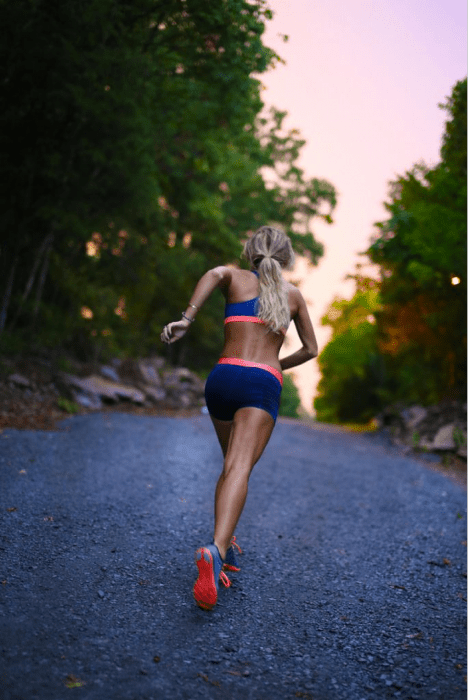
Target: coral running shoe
pixel 231 563
pixel 210 565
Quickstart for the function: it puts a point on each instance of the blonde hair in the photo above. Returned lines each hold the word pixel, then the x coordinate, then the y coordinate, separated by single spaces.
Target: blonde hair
pixel 269 250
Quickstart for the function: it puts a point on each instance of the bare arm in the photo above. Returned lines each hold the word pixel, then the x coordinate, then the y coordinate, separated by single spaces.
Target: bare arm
pixel 306 334
pixel 217 277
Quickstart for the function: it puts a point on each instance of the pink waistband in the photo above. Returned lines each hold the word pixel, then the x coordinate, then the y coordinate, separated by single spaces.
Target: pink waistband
pixel 246 363
pixel 249 319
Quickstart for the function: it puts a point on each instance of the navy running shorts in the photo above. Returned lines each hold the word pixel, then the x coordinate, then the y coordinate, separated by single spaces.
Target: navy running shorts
pixel 234 384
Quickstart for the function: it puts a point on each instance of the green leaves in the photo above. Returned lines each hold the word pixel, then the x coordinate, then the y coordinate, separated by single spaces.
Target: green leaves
pixel 352 370
pixel 422 249
pixel 137 163
pixel 416 350
pixel 290 400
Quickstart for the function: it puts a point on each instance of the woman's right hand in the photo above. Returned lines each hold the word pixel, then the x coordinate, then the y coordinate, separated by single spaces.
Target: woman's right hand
pixel 174 331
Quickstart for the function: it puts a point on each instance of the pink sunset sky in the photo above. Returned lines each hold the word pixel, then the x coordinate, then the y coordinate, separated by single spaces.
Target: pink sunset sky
pixel 362 82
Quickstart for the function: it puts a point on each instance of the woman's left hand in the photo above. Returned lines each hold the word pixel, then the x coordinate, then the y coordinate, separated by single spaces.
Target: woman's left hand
pixel 174 331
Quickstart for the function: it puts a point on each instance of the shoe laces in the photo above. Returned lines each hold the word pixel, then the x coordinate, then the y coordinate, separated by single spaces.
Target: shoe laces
pixel 234 544
pixel 224 579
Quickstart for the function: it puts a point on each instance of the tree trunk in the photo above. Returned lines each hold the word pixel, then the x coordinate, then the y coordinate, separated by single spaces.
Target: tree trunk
pixel 45 243
pixel 7 295
pixel 42 277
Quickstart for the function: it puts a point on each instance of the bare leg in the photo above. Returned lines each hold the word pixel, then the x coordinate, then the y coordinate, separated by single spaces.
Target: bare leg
pixel 248 437
pixel 223 431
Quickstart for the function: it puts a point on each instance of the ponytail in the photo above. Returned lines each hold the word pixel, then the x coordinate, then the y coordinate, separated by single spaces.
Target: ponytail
pixel 270 250
pixel 273 304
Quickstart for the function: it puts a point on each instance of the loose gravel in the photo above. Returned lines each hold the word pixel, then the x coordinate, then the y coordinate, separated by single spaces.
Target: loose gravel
pixel 353 580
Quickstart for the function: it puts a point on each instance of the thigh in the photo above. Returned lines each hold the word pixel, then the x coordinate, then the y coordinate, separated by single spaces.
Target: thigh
pixel 223 430
pixel 251 430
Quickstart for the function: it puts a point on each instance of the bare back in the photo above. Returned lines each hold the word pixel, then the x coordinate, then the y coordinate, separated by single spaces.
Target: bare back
pixel 252 341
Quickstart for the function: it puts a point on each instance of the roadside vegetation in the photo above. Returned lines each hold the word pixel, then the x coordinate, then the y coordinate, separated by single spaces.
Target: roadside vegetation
pixel 401 339
pixel 140 154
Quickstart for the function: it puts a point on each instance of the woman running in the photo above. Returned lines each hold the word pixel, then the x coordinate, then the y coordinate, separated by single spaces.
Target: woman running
pixel 243 390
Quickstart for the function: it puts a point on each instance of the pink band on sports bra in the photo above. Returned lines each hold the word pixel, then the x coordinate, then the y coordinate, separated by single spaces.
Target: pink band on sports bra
pixel 250 319
pixel 246 363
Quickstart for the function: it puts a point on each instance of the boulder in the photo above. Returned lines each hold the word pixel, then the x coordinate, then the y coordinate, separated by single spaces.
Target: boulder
pixel 19 380
pixel 149 372
pixel 109 373
pixel 144 371
pixel 438 427
pixel 412 416
pixel 185 400
pixel 180 379
pixel 425 444
pixel 156 361
pixel 443 439
pixel 96 386
pixel 86 400
pixel 153 393
pixel 129 372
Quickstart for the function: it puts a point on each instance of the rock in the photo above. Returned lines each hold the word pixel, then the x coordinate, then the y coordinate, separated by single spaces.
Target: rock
pixel 19 380
pixel 157 362
pixel 412 416
pixel 438 427
pixel 105 389
pixel 86 400
pixel 185 400
pixel 143 375
pixel 129 372
pixel 143 371
pixel 425 444
pixel 109 373
pixel 379 421
pixel 180 379
pixel 155 394
pixel 149 372
pixel 443 439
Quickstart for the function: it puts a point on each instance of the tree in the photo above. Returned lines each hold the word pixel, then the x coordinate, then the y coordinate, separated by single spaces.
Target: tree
pixel 353 373
pixel 290 400
pixel 403 339
pixel 135 163
pixel 421 249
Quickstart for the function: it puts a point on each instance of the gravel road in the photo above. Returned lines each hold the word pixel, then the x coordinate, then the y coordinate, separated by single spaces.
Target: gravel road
pixel 353 580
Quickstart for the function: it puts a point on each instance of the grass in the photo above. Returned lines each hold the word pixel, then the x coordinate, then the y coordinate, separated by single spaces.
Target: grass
pixel 459 438
pixel 369 427
pixel 67 405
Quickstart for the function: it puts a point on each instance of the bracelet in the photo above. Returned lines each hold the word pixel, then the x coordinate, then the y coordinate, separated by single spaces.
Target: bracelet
pixel 187 318
pixel 195 307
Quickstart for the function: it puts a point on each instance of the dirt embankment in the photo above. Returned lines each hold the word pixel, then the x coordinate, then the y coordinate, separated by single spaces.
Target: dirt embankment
pixel 36 393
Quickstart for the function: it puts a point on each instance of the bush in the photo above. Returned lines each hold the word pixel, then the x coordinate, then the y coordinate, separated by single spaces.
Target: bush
pixel 290 400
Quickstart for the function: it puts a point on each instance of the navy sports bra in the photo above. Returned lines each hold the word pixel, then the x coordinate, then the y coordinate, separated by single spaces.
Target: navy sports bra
pixel 244 311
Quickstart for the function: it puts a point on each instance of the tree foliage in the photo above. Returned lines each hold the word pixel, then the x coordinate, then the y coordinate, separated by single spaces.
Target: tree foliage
pixel 421 249
pixel 135 161
pixel 416 349
pixel 352 370
pixel 290 400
